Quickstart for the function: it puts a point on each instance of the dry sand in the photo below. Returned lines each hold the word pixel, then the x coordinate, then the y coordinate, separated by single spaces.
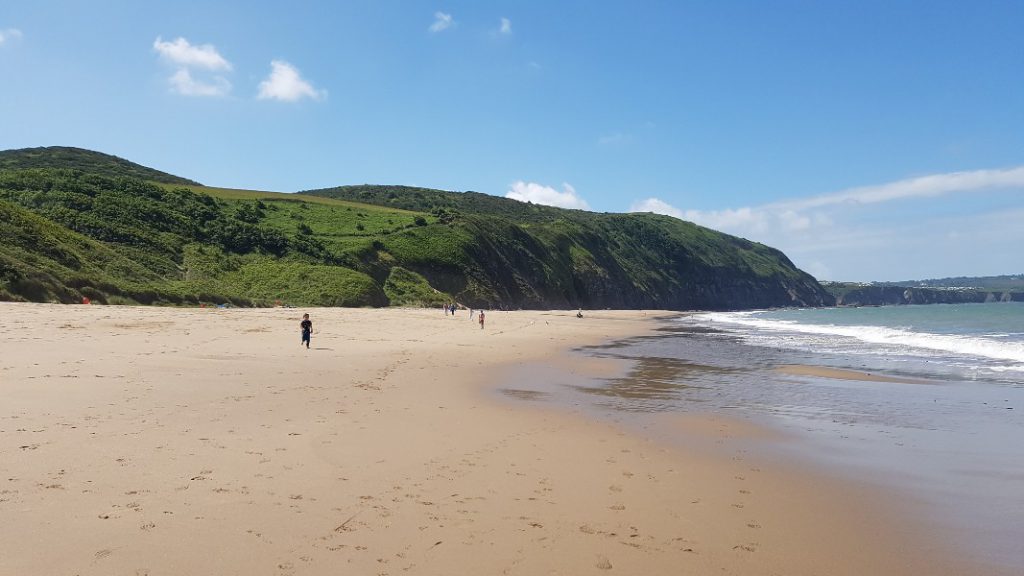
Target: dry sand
pixel 190 441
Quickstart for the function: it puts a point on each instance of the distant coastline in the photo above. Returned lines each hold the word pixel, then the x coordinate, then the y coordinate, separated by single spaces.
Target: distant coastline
pixel 858 294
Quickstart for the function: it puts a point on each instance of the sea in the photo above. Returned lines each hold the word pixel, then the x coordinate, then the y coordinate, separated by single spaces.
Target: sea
pixel 929 399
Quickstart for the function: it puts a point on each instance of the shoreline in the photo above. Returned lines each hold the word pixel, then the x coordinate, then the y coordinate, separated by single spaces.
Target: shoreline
pixel 185 441
pixel 891 522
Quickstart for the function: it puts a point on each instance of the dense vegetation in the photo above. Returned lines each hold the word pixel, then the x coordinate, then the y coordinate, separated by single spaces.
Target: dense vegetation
pixel 84 160
pixel 102 232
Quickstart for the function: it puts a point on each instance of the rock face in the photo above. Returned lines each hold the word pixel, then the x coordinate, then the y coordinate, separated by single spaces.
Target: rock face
pixel 895 295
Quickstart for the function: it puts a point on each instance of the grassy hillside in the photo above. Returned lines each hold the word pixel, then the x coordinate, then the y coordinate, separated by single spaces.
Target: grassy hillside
pixel 510 251
pixel 104 234
pixel 85 160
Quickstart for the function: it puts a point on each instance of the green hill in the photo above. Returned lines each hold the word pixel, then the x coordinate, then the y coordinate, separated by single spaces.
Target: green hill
pixel 540 255
pixel 84 160
pixel 102 231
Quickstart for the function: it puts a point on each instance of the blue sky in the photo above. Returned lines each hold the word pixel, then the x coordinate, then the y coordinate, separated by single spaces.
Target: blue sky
pixel 867 140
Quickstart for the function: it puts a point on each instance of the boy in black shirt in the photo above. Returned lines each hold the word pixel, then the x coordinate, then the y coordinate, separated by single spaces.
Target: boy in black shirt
pixel 307 329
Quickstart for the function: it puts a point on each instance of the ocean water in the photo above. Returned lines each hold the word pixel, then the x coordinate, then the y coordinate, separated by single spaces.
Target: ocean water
pixel 982 342
pixel 955 441
pixel 948 432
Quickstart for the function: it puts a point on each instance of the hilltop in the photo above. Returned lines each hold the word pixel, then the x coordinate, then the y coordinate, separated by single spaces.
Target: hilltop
pixel 65 157
pixel 82 223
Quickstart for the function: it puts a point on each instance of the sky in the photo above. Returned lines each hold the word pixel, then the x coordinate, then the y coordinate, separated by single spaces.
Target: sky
pixel 869 140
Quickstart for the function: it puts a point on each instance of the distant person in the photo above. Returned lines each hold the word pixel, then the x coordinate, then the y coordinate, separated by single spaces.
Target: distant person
pixel 481 319
pixel 580 313
pixel 307 329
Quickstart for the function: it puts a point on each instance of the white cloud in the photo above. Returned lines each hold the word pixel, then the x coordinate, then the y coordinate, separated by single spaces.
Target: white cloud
pixel 540 194
pixel 182 53
pixel 657 206
pixel 506 27
pixel 924 186
pixel 9 34
pixel 873 233
pixel 987 244
pixel 442 21
pixel 286 84
pixel 812 212
pixel 188 59
pixel 183 83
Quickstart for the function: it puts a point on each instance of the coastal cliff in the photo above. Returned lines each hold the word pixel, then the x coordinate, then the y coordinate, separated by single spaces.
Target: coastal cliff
pixel 79 224
pixel 899 295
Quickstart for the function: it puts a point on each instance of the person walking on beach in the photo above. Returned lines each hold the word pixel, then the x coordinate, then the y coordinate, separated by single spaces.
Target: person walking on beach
pixel 307 329
pixel 481 318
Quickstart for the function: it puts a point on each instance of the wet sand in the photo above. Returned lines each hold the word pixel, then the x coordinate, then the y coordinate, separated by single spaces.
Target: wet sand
pixel 188 441
pixel 839 374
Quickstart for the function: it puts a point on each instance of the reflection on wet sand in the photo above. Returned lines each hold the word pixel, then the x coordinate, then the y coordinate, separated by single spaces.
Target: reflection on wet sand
pixel 653 384
pixel 840 374
pixel 521 394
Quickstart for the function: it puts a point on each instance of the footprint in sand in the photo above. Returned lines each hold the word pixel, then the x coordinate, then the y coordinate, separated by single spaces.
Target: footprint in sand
pixel 746 547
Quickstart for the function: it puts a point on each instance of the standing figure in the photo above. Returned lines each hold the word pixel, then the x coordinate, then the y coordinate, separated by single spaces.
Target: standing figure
pixel 307 329
pixel 481 318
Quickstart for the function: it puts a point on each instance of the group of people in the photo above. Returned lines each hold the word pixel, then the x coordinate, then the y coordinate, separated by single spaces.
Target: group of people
pixel 307 325
pixel 451 308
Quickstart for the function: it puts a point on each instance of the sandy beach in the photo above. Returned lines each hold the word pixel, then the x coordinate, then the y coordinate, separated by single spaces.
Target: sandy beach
pixel 206 441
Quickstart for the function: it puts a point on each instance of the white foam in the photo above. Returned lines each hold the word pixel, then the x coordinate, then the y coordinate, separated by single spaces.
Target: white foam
pixel 977 346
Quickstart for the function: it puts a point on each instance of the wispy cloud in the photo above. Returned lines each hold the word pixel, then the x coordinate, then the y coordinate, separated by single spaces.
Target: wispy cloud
pixel 920 187
pixel 180 52
pixel 506 27
pixel 858 233
pixel 813 211
pixel 540 194
pixel 183 83
pixel 9 34
pixel 441 22
pixel 286 84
